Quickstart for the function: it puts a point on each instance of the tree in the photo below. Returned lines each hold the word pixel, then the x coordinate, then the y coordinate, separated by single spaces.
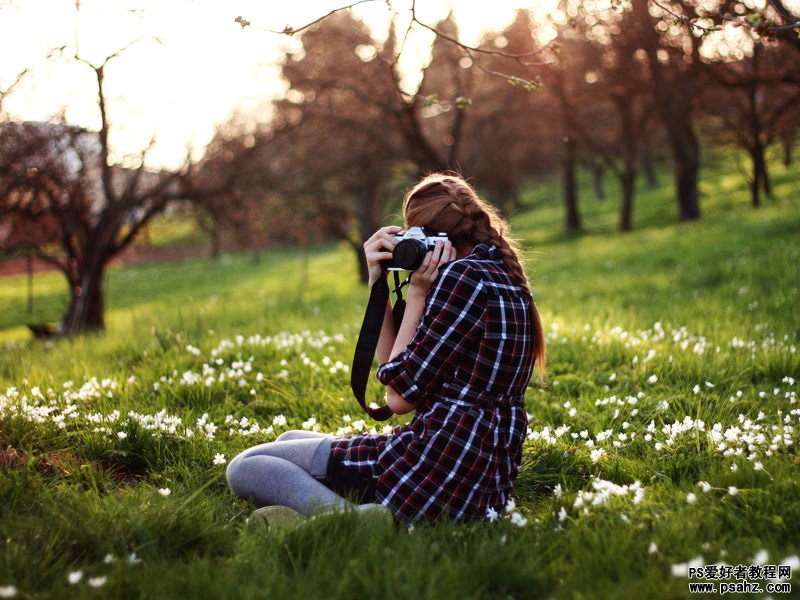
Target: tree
pixel 673 61
pixel 755 100
pixel 510 134
pixel 772 20
pixel 603 93
pixel 447 86
pixel 63 175
pixel 349 130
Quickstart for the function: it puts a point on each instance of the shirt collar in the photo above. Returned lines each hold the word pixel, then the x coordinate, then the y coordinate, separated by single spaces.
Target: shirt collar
pixel 485 251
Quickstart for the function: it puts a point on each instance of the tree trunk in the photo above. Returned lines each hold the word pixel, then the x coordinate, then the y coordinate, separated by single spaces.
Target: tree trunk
pixel 648 169
pixel 755 192
pixel 756 155
pixel 686 157
pixel 756 150
pixel 86 310
pixel 572 211
pixel 215 233
pixel 361 259
pixel 766 181
pixel 419 149
pixel 597 180
pixel 675 109
pixel 367 216
pixel 627 184
pixel 628 143
pixel 457 134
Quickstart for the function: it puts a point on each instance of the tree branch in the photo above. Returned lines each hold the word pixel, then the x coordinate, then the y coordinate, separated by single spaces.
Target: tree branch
pixel 289 30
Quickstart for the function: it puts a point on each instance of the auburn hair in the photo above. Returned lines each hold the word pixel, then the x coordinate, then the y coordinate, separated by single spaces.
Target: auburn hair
pixel 446 203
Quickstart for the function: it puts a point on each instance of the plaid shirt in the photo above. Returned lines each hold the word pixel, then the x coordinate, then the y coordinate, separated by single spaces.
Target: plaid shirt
pixel 466 370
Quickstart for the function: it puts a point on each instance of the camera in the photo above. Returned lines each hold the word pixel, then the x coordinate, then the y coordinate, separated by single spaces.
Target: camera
pixel 411 248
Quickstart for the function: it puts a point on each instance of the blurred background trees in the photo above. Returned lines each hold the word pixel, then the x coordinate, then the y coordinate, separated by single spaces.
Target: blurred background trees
pixel 603 87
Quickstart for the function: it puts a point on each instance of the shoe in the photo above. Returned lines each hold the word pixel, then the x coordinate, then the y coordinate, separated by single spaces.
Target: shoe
pixel 273 518
pixel 376 515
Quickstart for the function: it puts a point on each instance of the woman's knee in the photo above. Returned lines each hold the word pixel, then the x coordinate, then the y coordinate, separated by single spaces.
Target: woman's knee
pixel 235 474
pixel 298 434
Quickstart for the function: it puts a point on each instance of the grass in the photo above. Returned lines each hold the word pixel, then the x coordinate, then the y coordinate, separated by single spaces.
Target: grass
pixel 658 336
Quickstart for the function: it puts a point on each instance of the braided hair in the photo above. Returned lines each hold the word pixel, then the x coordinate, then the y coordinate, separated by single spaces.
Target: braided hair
pixel 447 203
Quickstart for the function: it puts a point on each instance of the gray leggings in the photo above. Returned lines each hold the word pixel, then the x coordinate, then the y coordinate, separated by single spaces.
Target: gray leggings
pixel 288 471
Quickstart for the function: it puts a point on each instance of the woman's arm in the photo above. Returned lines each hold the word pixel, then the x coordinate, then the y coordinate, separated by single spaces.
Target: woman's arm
pixel 376 249
pixel 387 336
pixel 421 281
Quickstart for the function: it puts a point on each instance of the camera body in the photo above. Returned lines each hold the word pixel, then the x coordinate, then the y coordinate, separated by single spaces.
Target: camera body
pixel 411 248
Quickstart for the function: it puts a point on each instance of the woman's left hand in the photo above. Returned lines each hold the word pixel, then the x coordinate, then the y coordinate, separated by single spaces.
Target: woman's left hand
pixel 422 279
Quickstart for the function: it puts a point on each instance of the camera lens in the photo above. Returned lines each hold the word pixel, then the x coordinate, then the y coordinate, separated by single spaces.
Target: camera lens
pixel 408 254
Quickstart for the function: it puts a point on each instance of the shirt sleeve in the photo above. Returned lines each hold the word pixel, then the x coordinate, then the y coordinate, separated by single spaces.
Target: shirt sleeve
pixel 453 318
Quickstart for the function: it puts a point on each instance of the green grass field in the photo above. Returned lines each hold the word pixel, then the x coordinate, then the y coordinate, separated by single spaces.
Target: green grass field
pixel 664 437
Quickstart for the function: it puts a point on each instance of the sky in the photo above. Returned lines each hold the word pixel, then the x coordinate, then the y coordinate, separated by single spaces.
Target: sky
pixel 192 67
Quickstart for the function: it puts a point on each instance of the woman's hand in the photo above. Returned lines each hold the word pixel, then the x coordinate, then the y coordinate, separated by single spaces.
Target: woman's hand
pixel 442 253
pixel 379 248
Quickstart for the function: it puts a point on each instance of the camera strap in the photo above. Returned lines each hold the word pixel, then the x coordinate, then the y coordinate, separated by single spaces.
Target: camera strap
pixel 368 341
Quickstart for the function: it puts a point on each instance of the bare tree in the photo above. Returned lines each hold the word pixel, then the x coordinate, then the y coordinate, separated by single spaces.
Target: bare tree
pixel 754 102
pixel 63 175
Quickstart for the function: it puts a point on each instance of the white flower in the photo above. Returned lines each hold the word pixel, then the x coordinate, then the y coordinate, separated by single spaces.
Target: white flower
pixel 164 491
pixel 75 577
pixel 734 467
pixel 97 582
pixel 596 454
pixel 510 505
pixel 653 378
pixel 705 486
pixel 733 490
pixel 279 421
pixel 696 389
pixel 792 562
pixel 758 466
pixel 518 520
pixel 653 548
pixel 709 384
pixel 691 498
pixel 557 491
pixel 219 459
pixel 696 562
pixel 562 514
pixel 761 558
pixel 110 558
pixel 122 435
pixel 491 514
pixel 679 570
pixel 7 591
pixel 133 559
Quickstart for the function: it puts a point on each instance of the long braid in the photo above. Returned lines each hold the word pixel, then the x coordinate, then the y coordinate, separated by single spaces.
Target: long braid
pixel 452 205
pixel 490 227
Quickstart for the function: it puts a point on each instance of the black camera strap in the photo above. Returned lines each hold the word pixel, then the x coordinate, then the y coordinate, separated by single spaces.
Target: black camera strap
pixel 368 340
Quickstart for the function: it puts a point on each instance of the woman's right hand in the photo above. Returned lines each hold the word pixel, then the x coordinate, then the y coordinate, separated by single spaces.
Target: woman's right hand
pixel 379 248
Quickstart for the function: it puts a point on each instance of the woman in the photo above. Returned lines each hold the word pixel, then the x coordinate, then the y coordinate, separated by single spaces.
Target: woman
pixel 462 358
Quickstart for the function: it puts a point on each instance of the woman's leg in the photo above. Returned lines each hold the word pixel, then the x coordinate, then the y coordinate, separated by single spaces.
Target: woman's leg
pixel 288 471
pixel 299 434
pixel 268 480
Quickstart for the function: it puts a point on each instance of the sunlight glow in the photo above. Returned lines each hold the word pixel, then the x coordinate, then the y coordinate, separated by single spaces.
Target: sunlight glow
pixel 193 67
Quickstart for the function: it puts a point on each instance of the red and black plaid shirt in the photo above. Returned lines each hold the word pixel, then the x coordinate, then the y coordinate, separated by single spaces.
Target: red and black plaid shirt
pixel 466 370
